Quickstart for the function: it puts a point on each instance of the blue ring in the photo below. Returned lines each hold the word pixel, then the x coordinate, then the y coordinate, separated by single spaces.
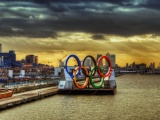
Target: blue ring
pixel 78 61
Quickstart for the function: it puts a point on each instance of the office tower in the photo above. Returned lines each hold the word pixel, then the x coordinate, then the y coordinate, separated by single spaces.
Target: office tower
pixel 8 59
pixel 31 60
pixel 98 56
pixel 1 61
pixel 126 65
pixel 0 47
pixel 108 54
pixel 36 60
pixel 88 62
pixel 112 58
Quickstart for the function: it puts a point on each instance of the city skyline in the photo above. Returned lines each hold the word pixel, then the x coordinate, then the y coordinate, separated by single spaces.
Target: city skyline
pixel 32 59
pixel 52 29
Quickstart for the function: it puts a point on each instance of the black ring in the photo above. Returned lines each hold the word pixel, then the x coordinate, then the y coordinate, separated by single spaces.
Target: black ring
pixel 94 62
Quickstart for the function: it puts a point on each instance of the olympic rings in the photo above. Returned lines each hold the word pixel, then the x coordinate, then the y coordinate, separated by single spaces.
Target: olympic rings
pixel 109 72
pixel 94 62
pixel 87 78
pixel 78 61
pixel 86 73
pixel 102 81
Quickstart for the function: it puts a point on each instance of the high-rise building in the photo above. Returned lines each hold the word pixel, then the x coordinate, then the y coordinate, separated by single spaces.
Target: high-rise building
pixel 88 62
pixel 9 59
pixel 1 61
pixel 98 56
pixel 108 54
pixel 36 60
pixel 133 66
pixel 126 65
pixel 31 59
pixel 112 58
pixel 152 66
pixel 0 47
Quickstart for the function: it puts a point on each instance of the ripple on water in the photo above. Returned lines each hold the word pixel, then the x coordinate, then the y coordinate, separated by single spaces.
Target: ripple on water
pixel 137 98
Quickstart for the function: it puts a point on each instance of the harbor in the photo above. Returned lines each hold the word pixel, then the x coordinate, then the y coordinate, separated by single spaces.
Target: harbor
pixel 137 98
pixel 72 80
pixel 32 93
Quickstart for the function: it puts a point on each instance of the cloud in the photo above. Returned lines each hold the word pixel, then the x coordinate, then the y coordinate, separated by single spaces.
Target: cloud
pixel 99 37
pixel 5 28
pixel 115 17
pixel 37 33
pixel 139 48
pixel 32 33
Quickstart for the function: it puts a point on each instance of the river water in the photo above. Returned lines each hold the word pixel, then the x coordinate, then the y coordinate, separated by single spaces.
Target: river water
pixel 137 98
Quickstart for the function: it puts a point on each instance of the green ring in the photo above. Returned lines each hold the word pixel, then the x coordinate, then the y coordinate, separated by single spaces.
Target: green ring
pixel 102 81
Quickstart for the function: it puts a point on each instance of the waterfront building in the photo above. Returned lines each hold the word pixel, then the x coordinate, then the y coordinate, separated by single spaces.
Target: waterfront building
pixel 8 59
pixel 126 66
pixel 133 66
pixel 142 66
pixel 152 66
pixel 31 59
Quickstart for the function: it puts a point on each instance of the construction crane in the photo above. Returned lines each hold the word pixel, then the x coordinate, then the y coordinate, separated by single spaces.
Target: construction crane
pixel 63 57
pixel 59 60
pixel 49 62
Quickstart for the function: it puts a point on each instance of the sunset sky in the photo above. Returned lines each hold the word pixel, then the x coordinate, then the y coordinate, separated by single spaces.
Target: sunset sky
pixel 51 29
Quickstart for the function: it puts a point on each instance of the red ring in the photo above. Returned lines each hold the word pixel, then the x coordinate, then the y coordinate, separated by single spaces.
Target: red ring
pixel 110 65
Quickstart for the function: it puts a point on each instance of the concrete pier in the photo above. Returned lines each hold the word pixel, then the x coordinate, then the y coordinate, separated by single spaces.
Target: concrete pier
pixel 25 97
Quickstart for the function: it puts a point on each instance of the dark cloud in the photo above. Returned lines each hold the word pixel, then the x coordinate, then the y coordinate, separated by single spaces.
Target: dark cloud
pixel 37 33
pixel 153 4
pixel 99 37
pixel 118 17
pixel 33 33
pixel 4 30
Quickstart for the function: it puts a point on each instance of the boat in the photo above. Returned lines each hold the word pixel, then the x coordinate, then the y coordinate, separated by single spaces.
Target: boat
pixel 5 92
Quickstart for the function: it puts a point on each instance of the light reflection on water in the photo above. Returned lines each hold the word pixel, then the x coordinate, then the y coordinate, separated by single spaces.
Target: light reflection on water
pixel 137 98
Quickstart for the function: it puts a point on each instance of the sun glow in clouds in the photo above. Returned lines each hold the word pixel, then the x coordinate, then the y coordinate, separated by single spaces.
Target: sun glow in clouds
pixel 134 48
pixel 52 29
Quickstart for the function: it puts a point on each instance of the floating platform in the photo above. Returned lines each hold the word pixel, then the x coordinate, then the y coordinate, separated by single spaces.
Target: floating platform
pixel 90 91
